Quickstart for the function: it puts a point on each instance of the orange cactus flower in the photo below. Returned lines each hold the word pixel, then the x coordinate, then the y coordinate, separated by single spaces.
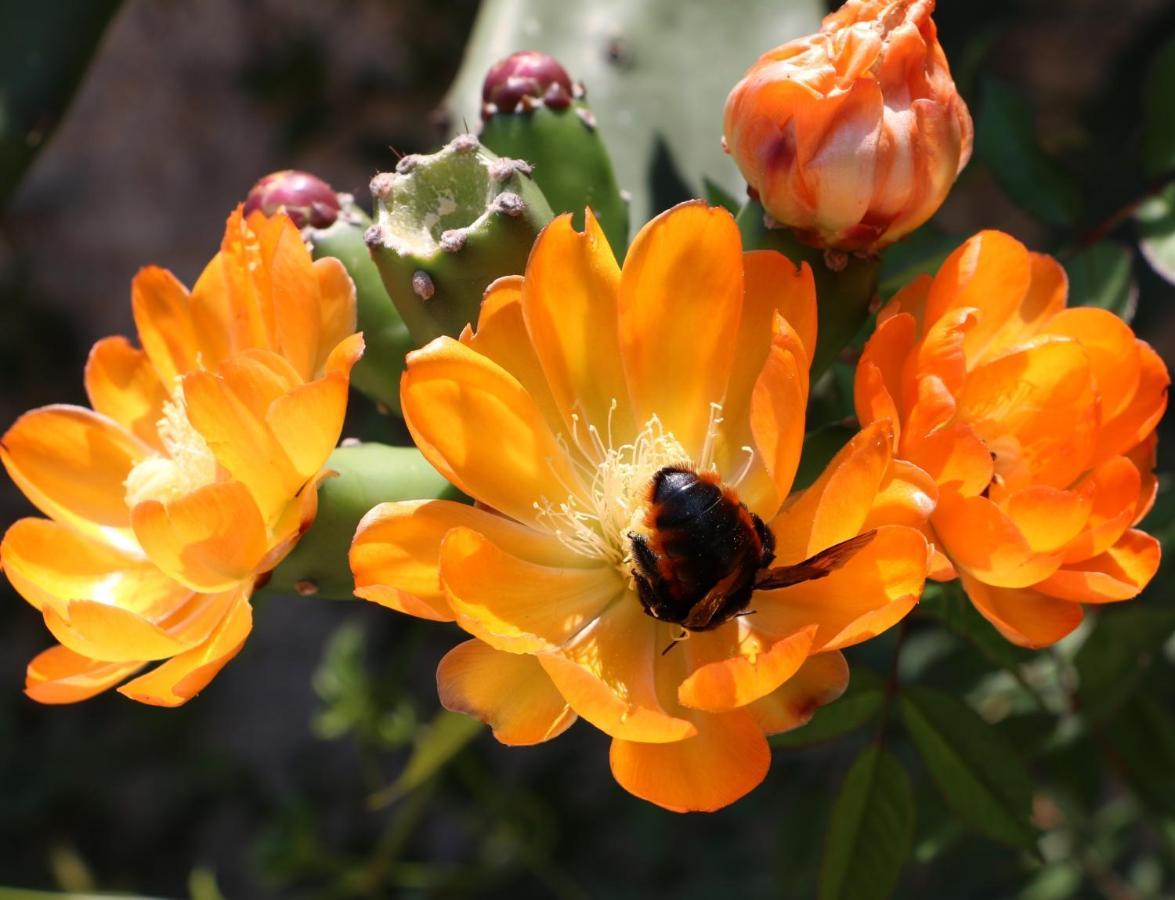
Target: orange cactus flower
pixel 854 135
pixel 582 385
pixel 1037 422
pixel 192 475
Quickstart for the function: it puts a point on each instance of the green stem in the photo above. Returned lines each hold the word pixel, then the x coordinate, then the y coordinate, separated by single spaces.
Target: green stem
pixel 845 283
pixel 368 474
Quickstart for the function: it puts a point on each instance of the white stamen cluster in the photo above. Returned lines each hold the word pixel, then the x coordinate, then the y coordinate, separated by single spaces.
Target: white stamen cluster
pixel 188 464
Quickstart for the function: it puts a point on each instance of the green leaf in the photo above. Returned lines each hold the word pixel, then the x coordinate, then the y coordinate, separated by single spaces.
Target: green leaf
pixel 659 111
pixel 1101 275
pixel 1156 231
pixel 1142 735
pixel 978 774
pixel 871 830
pixel 1112 661
pixel 1158 117
pixel 443 738
pixel 1005 140
pixel 859 705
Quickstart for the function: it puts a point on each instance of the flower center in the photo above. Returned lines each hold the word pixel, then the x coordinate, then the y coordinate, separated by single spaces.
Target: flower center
pixel 188 464
pixel 618 480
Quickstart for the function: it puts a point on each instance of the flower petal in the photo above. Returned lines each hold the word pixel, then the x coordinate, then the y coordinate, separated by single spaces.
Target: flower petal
pixel 724 761
pixel 395 556
pixel 307 421
pixel 1130 428
pixel 517 605
pixel 681 295
pixel 58 675
pixel 292 289
pixel 71 463
pixel 453 398
pixel 778 401
pixel 210 539
pixel 732 669
pixel 178 680
pixel 835 507
pixel 982 539
pixel 1023 615
pixel 1118 574
pixel 101 631
pixel 122 384
pixel 874 590
pixel 164 322
pixel 510 692
pixel 337 308
pixel 819 681
pixel 610 675
pixel 51 564
pixel 569 305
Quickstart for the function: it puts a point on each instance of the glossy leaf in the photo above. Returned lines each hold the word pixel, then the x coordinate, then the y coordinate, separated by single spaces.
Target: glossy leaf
pixel 871 830
pixel 1112 662
pixel 1143 737
pixel 1005 140
pixel 1156 231
pixel 1101 275
pixel 978 774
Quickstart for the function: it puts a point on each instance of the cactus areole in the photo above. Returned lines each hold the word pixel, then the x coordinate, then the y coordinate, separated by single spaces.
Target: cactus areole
pixel 305 198
pixel 446 226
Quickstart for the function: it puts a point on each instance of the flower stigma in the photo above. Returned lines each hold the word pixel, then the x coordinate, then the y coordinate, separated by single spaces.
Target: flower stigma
pixel 187 466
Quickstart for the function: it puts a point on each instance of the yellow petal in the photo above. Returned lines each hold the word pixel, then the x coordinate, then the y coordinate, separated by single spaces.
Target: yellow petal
pixel 58 675
pixel 732 669
pixel 681 294
pixel 164 321
pixel 178 680
pixel 820 680
pixel 872 591
pixel 1120 573
pixel 569 305
pixel 454 401
pixel 1023 615
pixel 395 556
pixel 517 605
pixel 210 540
pixel 71 463
pixel 835 507
pixel 51 564
pixel 293 293
pixel 510 692
pixel 110 633
pixel 611 674
pixel 725 760
pixel 122 384
pixel 336 307
pixel 308 421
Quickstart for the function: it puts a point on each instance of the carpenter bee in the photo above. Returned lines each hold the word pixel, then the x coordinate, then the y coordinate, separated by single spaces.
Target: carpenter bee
pixel 706 553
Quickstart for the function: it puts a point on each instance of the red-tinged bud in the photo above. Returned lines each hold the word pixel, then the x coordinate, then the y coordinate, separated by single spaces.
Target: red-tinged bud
pixel 305 198
pixel 854 135
pixel 524 80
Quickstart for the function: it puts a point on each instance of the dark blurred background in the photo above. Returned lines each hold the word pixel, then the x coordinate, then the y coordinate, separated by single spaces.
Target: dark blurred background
pixel 261 786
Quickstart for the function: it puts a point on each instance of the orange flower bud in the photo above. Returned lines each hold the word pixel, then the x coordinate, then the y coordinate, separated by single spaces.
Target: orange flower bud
pixel 853 135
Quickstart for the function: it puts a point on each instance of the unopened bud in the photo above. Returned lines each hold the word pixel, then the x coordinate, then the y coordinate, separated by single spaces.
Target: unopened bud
pixel 527 78
pixel 305 198
pixel 852 136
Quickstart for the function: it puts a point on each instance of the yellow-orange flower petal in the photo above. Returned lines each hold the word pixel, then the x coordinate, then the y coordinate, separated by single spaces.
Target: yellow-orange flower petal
pixel 510 692
pixel 453 398
pixel 681 294
pixel 122 384
pixel 727 673
pixel 725 760
pixel 58 675
pixel 819 681
pixel 1023 615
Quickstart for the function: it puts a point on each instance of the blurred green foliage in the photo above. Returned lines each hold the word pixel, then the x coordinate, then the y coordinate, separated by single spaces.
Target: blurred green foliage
pixel 956 765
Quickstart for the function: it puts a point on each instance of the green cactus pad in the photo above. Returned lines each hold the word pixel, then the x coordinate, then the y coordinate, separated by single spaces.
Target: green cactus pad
pixel 446 226
pixel 571 162
pixel 377 375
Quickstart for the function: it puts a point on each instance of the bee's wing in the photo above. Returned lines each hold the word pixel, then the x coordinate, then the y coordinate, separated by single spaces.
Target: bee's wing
pixel 822 564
